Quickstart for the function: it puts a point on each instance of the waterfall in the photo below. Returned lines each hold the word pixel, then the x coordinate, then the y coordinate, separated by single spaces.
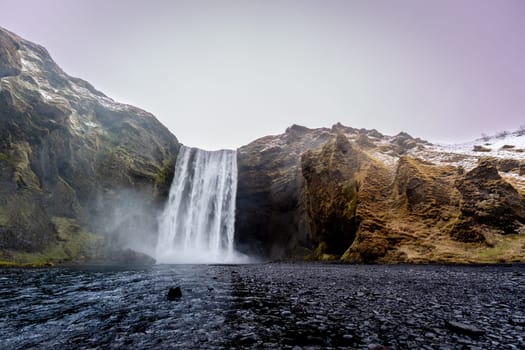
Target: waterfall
pixel 197 225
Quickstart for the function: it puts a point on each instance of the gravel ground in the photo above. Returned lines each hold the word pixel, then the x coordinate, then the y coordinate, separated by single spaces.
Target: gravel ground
pixel 265 306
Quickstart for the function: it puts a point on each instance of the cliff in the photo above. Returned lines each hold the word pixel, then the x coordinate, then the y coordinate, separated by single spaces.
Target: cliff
pixel 78 171
pixel 356 195
pixel 83 176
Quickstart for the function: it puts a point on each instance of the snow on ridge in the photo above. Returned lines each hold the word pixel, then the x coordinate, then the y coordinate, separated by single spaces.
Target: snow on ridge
pixel 28 65
pixel 515 147
pixel 32 65
pixel 464 155
pixel 79 122
pixel 31 61
pixel 514 139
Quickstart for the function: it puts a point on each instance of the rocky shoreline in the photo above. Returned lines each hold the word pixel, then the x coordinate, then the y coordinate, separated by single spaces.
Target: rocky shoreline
pixel 384 307
pixel 266 306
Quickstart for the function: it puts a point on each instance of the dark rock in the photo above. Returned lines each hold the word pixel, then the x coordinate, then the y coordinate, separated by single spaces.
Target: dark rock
pixel 404 140
pixel 174 294
pixel 508 165
pixel 331 190
pixel 297 130
pixel 375 133
pixel 515 321
pixel 462 328
pixel 364 141
pixel 488 201
pixel 247 339
pixel 286 313
pixel 478 148
pixel 270 192
pixel 376 347
pixel 338 128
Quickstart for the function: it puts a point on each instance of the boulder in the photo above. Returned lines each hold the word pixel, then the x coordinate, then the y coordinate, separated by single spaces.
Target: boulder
pixel 174 294
pixel 462 328
pixel 478 148
pixel 488 200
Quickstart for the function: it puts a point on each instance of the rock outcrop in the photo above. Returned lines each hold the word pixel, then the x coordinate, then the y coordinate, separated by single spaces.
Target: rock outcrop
pixel 356 195
pixel 488 203
pixel 271 212
pixel 331 195
pixel 75 166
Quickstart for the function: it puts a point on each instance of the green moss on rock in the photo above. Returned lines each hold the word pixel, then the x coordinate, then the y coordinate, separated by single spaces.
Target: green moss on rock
pixel 4 218
pixel 71 244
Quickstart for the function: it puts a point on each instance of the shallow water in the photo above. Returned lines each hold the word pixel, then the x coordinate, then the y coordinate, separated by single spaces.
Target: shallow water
pixel 262 306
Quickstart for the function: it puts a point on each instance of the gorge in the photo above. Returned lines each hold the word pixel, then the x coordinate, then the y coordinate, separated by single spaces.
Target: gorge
pixel 84 178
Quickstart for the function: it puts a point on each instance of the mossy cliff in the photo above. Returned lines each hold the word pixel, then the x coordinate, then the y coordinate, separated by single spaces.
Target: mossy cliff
pixel 356 195
pixel 75 166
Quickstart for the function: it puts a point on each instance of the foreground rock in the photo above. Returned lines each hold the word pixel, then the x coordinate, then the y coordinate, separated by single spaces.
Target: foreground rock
pixel 74 164
pixel 463 328
pixel 174 294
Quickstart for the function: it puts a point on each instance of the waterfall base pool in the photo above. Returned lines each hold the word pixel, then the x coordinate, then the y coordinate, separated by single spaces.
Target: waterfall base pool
pixel 269 306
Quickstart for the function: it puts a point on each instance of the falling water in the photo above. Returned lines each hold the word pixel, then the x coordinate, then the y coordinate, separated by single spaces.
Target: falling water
pixel 197 225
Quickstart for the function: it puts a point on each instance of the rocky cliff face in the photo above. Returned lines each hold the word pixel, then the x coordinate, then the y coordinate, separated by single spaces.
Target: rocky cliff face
pixel 271 212
pixel 80 173
pixel 359 196
pixel 73 162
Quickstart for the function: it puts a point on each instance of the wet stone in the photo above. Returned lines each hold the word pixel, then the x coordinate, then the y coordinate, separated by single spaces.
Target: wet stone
pixel 286 314
pixel 462 328
pixel 263 306
pixel 376 347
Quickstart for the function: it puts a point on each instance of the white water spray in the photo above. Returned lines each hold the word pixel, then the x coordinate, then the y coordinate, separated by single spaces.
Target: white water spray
pixel 197 225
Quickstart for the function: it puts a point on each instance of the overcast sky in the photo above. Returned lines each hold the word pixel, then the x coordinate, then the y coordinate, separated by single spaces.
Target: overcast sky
pixel 220 74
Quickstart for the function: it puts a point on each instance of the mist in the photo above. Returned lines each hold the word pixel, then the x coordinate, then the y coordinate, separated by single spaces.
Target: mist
pixel 128 219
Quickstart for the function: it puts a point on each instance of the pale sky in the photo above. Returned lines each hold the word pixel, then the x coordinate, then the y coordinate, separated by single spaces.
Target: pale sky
pixel 220 74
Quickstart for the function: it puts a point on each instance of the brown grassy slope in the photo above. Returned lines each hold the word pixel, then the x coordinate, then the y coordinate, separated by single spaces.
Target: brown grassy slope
pixel 412 215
